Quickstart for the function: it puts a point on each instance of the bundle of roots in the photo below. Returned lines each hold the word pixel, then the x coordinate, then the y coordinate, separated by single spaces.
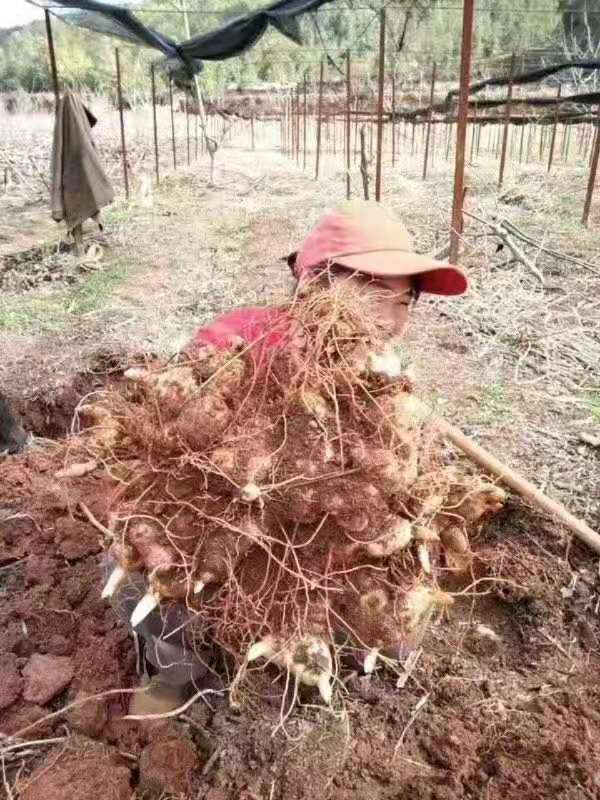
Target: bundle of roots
pixel 294 499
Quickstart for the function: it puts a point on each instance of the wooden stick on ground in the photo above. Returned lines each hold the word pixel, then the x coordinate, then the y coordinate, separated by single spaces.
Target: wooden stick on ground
pixel 521 485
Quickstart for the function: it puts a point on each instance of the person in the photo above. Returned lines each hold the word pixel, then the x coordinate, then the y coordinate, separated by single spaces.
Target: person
pixel 12 436
pixel 361 242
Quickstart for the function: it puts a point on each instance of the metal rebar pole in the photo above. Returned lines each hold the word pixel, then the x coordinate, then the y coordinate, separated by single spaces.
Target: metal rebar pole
pixel 347 130
pixel 393 119
pixel 357 103
pixel 155 124
pixel 298 124
pixel 461 133
pixel 122 122
pixel 507 110
pixel 473 134
pixel 563 144
pixel 522 138
pixel 172 123
pixel 319 110
pixel 304 109
pixel 252 143
pixel 292 126
pixel 593 170
pixel 429 118
pixel 52 54
pixel 593 137
pixel 554 126
pixel 187 126
pixel 380 89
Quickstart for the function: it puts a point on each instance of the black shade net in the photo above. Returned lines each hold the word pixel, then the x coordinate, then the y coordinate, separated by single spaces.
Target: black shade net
pixel 226 41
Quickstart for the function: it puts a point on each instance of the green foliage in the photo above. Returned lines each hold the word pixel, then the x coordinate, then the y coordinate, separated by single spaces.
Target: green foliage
pixel 60 308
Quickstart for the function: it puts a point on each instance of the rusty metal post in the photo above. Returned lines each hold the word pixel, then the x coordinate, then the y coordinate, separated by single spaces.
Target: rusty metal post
pixel 530 132
pixel 304 124
pixel 593 170
pixel 347 131
pixel 298 124
pixel 319 110
pixel 563 145
pixel 393 118
pixel 461 132
pixel 429 118
pixel 412 143
pixel 252 144
pixel 187 126
pixel 473 134
pixel 507 110
pixel 568 145
pixel 378 163
pixel 521 144
pixel 155 124
pixel 52 54
pixel 172 123
pixel 290 129
pixel 122 122
pixel 554 126
pixel 356 129
pixel 593 136
pixel 542 141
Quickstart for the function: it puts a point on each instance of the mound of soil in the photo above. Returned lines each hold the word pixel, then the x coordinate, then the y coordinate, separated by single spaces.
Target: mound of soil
pixel 500 701
pixel 503 701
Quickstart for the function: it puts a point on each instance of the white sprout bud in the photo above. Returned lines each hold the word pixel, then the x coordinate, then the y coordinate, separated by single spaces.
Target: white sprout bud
pixel 387 364
pixel 324 685
pixel 423 554
pixel 250 492
pixel 136 374
pixel 77 470
pixel 370 661
pixel 146 605
pixel 116 577
pixel 261 649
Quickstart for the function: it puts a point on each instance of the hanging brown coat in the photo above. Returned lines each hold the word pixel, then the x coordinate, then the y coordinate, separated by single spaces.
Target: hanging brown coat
pixel 80 186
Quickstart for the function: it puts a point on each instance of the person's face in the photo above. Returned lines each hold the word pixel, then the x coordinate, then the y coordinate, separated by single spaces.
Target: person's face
pixel 390 296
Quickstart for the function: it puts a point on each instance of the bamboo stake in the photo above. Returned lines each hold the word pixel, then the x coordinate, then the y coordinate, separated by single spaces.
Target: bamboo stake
pixel 520 484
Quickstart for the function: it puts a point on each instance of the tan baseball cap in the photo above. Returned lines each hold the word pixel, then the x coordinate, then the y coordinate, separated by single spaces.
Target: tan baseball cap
pixel 367 237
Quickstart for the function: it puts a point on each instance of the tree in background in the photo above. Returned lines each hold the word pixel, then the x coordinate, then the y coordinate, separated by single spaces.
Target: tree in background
pixel 580 37
pixel 419 31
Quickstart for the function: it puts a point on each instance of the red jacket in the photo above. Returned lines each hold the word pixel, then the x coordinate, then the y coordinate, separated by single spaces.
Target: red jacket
pixel 269 326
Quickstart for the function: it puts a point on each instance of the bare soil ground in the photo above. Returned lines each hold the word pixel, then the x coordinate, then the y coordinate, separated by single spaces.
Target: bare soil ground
pixel 503 699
